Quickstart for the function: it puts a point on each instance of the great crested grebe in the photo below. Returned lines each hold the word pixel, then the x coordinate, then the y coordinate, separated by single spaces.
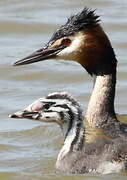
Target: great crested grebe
pixel 83 40
pixel 76 156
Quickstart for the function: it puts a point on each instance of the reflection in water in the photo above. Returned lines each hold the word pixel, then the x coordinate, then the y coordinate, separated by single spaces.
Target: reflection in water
pixel 28 150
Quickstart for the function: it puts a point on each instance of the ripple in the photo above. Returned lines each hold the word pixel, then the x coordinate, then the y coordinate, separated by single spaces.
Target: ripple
pixel 28 149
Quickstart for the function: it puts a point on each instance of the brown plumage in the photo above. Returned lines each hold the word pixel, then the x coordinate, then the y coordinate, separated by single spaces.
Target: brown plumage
pixel 82 39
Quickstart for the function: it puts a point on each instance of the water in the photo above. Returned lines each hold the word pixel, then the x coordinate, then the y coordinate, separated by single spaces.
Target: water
pixel 28 149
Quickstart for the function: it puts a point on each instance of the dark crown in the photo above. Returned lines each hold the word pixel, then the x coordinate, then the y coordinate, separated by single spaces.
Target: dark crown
pixel 87 18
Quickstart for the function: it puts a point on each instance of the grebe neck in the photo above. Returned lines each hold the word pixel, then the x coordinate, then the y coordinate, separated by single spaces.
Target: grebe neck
pixel 74 136
pixel 100 112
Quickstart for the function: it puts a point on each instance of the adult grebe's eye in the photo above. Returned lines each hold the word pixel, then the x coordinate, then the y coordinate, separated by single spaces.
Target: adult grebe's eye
pixel 66 41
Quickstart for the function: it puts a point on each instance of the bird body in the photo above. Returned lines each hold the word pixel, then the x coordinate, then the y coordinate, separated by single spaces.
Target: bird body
pixel 104 149
pixel 76 155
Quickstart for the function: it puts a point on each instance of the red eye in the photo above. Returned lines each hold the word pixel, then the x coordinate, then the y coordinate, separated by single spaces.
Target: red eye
pixel 66 41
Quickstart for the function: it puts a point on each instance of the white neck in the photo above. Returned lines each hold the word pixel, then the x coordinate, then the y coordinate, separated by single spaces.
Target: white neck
pixel 73 141
pixel 101 106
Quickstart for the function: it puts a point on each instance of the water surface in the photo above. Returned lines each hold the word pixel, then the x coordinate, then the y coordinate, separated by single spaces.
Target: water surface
pixel 28 149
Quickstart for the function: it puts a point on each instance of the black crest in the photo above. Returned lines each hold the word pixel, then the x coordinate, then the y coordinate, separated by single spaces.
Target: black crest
pixel 75 23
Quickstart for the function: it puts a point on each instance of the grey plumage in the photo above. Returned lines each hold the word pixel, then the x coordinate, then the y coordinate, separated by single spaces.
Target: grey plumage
pixel 102 155
pixel 100 146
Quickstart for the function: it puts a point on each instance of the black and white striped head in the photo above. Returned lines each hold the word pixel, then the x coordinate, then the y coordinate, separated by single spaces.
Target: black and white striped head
pixel 58 107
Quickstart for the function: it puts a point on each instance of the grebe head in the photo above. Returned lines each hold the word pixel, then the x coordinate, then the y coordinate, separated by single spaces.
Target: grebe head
pixel 81 39
pixel 58 107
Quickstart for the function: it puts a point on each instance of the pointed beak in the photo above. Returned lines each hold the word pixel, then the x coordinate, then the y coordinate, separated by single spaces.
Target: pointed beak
pixel 24 114
pixel 40 55
pixel 34 116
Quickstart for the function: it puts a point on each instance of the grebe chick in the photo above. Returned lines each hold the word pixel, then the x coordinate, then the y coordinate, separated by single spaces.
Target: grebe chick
pixel 76 156
pixel 82 39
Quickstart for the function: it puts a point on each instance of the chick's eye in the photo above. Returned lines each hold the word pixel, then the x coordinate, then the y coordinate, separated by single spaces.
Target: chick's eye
pixel 66 41
pixel 46 106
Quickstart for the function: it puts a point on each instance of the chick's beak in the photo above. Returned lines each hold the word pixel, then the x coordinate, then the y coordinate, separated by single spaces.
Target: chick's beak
pixel 40 55
pixel 24 114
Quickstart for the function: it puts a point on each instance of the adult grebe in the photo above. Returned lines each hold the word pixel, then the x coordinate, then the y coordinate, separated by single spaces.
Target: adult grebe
pixel 83 40
pixel 76 156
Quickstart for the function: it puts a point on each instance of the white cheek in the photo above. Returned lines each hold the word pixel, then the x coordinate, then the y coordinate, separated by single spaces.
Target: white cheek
pixel 50 117
pixel 72 51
